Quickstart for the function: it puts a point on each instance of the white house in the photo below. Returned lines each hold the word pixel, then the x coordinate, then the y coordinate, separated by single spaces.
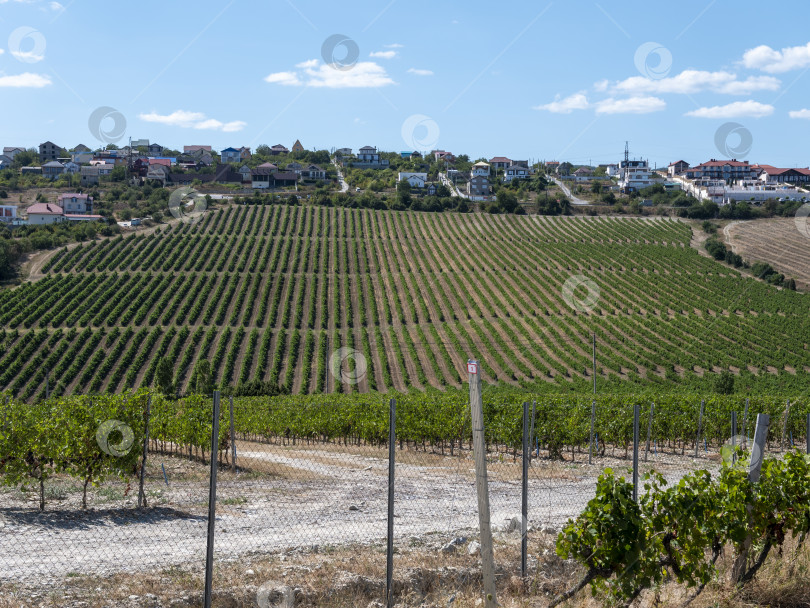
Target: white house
pixel 416 180
pixel 45 213
pixel 634 175
pixel 74 202
pixel 516 172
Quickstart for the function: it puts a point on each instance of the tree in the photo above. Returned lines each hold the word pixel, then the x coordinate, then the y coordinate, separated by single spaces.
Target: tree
pixel 163 376
pixel 404 193
pixel 202 381
pixel 507 200
pixel 724 383
pixel 118 174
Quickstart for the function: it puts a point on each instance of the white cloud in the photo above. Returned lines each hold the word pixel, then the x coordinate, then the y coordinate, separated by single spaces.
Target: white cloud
pixel 55 7
pixel 28 56
pixel 602 85
pixel 192 120
pixel 285 78
pixel 419 72
pixel 383 54
pixel 395 45
pixel 2 51
pixel 738 109
pixel 577 101
pixel 309 63
pixel 361 75
pixel 630 105
pixel 770 60
pixel 803 113
pixel 25 80
pixel 695 81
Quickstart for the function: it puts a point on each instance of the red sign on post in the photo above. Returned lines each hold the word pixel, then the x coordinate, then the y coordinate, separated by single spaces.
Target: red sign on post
pixel 472 367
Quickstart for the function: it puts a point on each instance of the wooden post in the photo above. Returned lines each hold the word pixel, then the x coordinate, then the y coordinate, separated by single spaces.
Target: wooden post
pixel 141 495
pixel 754 470
pixel 649 432
pixel 212 506
pixel 524 496
pixel 758 449
pixel 389 562
pixel 481 484
pixel 700 426
pixel 785 424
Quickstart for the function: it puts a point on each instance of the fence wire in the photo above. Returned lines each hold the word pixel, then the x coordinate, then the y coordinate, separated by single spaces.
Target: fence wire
pixel 281 490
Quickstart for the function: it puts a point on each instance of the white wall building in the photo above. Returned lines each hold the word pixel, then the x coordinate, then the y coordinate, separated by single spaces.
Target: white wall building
pixel 634 175
pixel 416 180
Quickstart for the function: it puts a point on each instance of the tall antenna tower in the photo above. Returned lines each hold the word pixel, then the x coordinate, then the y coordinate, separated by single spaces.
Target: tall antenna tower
pixel 626 151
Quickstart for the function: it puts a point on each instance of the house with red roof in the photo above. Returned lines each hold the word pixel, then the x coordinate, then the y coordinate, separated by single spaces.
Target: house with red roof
pixel 727 170
pixel 776 175
pixel 676 168
pixel 499 162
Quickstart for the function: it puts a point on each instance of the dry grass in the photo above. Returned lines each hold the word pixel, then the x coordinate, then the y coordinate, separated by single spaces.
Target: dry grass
pixel 342 577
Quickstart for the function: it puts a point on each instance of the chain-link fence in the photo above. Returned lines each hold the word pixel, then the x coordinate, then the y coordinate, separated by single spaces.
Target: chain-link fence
pixel 322 480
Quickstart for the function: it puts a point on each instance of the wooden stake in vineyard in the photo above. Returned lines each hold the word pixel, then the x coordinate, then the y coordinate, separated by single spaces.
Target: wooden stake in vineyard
pixel 481 484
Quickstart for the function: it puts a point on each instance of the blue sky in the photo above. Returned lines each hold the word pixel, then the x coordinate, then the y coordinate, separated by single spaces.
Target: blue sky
pixel 528 80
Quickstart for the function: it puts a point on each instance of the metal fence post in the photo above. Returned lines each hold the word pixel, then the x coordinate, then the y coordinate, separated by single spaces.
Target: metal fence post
pixel 531 429
pixel 141 495
pixel 524 498
pixel 212 505
pixel 233 439
pixel 593 419
pixel 649 432
pixel 700 426
pixel 733 437
pixel 807 434
pixel 745 421
pixel 481 483
pixel 636 412
pixel 389 564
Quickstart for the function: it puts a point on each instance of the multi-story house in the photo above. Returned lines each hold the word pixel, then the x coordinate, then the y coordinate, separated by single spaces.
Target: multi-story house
pixel 729 171
pixel 76 203
pixel 368 157
pixel 49 151
pixel 634 175
pixel 230 155
pixel 53 169
pixel 478 186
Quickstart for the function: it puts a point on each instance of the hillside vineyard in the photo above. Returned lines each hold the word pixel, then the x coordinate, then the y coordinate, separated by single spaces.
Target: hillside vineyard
pixel 270 292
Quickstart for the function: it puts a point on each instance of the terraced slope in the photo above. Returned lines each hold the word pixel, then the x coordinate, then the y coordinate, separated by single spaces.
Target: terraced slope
pixel 270 292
